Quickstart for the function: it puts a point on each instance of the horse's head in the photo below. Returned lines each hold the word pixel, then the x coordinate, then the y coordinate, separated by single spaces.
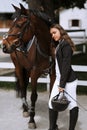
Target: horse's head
pixel 19 32
pixel 26 24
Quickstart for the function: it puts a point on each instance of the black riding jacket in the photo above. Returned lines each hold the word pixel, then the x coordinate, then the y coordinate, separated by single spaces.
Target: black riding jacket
pixel 64 55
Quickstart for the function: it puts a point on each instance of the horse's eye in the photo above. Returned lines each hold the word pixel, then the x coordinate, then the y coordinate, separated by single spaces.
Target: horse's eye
pixel 18 25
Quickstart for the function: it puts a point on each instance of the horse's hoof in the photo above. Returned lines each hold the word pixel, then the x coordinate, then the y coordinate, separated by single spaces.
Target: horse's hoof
pixel 25 114
pixel 32 125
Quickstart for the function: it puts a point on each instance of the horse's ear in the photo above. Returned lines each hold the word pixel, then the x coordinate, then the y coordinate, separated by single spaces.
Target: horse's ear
pixel 15 7
pixel 17 12
pixel 23 10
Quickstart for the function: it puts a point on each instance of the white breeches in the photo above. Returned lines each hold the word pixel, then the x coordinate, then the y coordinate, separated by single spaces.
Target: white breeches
pixel 69 88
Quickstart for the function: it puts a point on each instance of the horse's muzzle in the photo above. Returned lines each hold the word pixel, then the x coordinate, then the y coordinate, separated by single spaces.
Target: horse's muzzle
pixel 3 46
pixel 5 49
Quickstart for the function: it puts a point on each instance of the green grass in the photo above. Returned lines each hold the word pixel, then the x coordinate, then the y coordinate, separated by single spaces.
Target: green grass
pixel 40 87
pixel 11 85
pixel 82 90
pixel 7 85
pixel 81 59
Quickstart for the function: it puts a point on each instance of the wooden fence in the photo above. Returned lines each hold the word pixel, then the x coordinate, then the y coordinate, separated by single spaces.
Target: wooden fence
pixel 79 38
pixel 7 65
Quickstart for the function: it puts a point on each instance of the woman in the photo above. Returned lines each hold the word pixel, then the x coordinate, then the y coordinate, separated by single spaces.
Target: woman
pixel 65 76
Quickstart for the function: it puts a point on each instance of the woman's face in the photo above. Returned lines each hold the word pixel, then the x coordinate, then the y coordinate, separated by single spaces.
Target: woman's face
pixel 55 33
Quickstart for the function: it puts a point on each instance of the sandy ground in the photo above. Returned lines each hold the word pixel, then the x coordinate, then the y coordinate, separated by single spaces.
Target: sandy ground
pixel 11 113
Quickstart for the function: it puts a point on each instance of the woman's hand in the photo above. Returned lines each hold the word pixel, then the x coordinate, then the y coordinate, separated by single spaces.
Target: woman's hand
pixel 61 89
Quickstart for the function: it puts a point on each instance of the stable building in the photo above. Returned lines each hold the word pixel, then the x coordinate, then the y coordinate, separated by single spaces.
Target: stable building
pixel 74 20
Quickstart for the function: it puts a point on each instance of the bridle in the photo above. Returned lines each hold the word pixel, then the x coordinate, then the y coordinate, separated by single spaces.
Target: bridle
pixel 19 35
pixel 20 41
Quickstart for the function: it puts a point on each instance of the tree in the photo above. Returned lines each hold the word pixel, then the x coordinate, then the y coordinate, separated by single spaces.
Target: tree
pixel 52 7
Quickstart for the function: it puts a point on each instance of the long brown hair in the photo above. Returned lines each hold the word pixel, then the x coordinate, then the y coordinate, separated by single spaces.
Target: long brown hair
pixel 64 35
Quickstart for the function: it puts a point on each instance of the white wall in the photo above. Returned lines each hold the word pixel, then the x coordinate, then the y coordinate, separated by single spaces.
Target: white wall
pixel 66 15
pixel 6 5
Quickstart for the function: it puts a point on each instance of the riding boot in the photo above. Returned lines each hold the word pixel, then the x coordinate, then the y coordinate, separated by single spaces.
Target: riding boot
pixel 52 119
pixel 73 118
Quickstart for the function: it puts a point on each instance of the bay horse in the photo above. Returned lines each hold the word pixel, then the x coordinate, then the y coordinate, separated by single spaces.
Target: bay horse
pixel 28 43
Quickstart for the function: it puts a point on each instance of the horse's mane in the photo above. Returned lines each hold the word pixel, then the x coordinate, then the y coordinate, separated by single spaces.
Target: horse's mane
pixel 47 19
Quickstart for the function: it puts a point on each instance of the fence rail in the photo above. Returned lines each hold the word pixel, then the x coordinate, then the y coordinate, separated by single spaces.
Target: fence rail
pixel 79 38
pixel 6 65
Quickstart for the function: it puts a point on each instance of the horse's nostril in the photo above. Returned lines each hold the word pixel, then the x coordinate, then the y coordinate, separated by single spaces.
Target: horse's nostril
pixel 4 49
pixel 3 46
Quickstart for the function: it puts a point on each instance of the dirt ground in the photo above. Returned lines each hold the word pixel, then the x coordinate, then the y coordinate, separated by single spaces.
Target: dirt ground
pixel 11 113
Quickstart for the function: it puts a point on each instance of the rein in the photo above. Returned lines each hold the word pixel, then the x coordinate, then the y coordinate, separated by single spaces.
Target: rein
pixel 39 49
pixel 33 40
pixel 25 50
pixel 30 43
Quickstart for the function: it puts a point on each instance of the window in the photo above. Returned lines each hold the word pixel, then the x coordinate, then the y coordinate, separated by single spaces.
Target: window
pixel 74 23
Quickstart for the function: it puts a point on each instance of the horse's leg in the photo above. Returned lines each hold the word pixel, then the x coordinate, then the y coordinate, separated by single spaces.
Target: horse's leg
pixel 22 79
pixel 34 96
pixel 34 77
pixel 24 93
pixel 17 84
pixel 17 88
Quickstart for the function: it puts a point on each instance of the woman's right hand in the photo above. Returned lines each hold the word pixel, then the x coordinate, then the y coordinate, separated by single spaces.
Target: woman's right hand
pixel 61 89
